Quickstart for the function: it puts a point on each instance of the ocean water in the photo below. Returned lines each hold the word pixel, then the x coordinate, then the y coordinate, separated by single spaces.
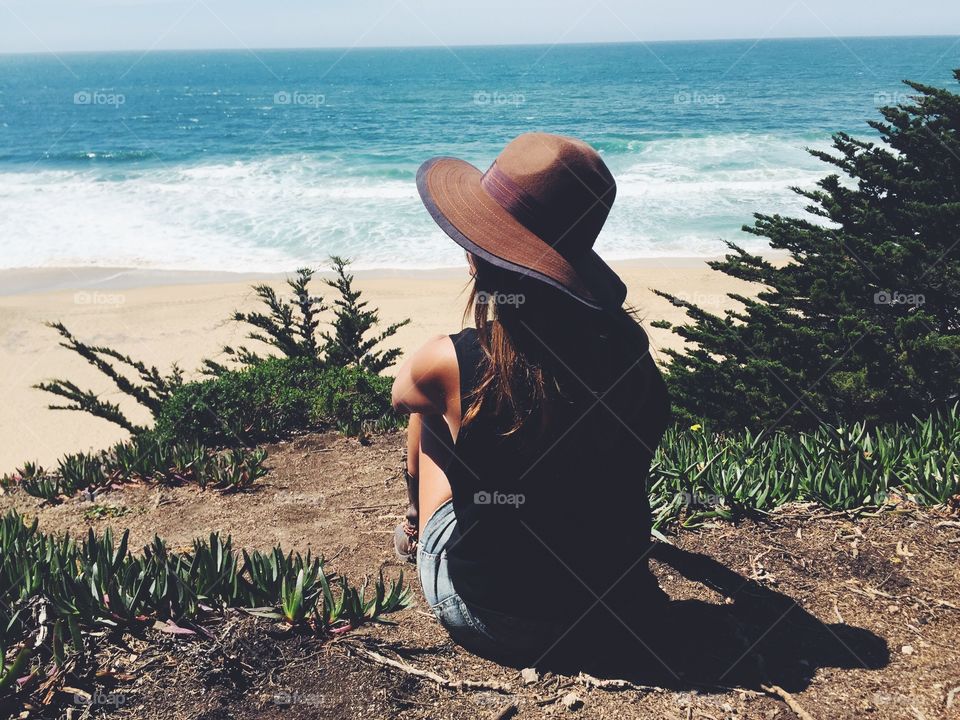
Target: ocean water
pixel 267 160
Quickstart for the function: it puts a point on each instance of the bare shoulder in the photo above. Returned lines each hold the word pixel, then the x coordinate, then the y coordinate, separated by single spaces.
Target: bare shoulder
pixel 427 377
pixel 438 344
pixel 434 358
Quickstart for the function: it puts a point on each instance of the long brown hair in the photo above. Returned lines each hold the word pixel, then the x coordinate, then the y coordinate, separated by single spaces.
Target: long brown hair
pixel 526 331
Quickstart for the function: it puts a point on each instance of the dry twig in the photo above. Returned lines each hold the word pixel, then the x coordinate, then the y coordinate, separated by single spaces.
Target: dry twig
pixel 613 684
pixel 789 699
pixel 428 675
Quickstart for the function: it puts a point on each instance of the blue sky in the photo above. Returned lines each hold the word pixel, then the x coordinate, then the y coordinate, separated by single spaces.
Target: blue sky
pixel 63 25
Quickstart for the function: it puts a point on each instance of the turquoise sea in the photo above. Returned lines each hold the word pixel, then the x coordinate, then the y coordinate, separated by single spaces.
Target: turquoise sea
pixel 267 160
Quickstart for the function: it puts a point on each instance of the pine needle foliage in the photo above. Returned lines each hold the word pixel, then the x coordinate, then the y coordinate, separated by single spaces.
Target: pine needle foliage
pixel 348 345
pixel 863 322
pixel 288 326
pixel 150 388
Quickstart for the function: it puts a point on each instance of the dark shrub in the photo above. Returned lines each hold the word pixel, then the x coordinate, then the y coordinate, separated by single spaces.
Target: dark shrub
pixel 351 400
pixel 863 323
pixel 273 398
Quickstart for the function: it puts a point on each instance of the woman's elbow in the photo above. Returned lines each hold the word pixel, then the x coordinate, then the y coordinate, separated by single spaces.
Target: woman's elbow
pixel 397 399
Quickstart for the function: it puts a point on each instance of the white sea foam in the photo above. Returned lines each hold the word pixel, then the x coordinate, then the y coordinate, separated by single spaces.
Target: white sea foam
pixel 675 197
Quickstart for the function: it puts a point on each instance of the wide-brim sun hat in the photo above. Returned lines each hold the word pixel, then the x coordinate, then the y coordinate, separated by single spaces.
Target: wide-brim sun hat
pixel 537 211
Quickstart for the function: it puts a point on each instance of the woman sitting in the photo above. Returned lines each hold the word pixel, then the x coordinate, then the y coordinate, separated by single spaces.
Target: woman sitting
pixel 531 435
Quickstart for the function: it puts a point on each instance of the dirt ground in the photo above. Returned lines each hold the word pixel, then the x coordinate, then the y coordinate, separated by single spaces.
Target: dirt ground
pixel 804 612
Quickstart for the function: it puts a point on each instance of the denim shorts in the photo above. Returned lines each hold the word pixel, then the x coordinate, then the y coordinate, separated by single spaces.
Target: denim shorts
pixel 483 632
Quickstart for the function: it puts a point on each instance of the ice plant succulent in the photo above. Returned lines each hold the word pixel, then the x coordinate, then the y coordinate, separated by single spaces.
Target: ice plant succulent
pixel 96 584
pixel 698 474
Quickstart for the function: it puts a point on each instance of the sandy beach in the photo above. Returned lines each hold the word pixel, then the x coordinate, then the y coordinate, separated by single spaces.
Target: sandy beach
pixel 181 317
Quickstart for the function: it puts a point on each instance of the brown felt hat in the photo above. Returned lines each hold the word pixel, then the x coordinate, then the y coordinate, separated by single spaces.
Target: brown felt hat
pixel 536 211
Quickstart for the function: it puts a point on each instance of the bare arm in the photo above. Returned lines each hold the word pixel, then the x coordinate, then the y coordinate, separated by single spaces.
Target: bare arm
pixel 429 380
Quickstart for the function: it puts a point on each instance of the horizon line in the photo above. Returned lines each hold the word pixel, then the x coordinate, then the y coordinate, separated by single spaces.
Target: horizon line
pixel 479 45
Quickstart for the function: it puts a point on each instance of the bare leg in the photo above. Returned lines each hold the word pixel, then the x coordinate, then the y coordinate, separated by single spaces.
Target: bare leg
pixel 414 429
pixel 407 533
pixel 428 447
pixel 435 447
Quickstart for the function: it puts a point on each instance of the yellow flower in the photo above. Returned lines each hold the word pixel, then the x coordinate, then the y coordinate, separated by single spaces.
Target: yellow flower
pixel 696 427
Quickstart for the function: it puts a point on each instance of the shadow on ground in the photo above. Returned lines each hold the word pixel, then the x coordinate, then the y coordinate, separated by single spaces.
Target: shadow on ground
pixel 760 638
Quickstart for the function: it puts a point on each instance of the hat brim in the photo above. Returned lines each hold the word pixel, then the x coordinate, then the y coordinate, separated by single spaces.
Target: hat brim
pixel 451 191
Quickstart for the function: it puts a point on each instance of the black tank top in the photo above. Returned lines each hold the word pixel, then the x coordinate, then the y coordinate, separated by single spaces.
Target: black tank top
pixel 549 521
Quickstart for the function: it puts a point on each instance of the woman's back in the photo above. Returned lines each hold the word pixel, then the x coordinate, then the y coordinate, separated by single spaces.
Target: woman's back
pixel 558 509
